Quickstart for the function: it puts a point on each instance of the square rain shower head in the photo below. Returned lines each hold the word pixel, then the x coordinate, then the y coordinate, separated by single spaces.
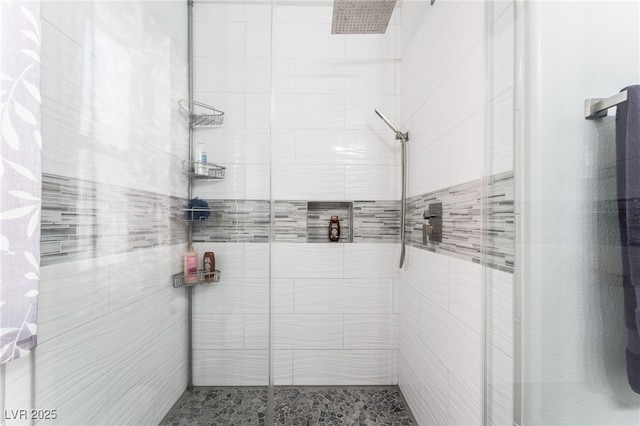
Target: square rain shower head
pixel 361 16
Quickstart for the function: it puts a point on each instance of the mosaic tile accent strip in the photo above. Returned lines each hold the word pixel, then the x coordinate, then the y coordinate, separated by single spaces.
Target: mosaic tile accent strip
pixel 83 219
pixel 500 226
pixel 462 221
pixel 235 221
pixel 290 223
pixel 373 221
pixel 306 405
pixel 376 221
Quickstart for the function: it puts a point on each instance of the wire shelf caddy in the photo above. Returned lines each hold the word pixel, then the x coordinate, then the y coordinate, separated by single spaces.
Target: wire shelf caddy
pixel 201 115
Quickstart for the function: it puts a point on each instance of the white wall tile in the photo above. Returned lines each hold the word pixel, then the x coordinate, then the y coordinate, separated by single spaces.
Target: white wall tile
pixel 170 369
pixel 258 111
pixel 499 387
pixel 235 146
pixel 304 331
pixel 284 75
pixel 501 130
pixel 283 146
pixel 303 111
pixel 344 147
pixel 378 331
pixel 257 180
pixel 218 331
pixel 283 296
pixel 292 260
pixel 304 40
pixel 131 397
pixel 375 46
pixel 214 75
pixel 71 294
pixel 231 187
pixel 360 113
pixel 258 75
pixel 374 76
pixel 283 375
pixel 170 306
pixel 365 260
pixel 256 263
pixel 59 376
pixel 219 12
pixel 230 368
pixel 466 156
pixel 233 296
pixel 258 39
pixel 256 331
pixel 429 274
pixel 429 168
pixel 352 367
pixel 222 40
pixel 89 407
pixel 459 348
pixel 308 182
pixel 372 182
pixel 17 384
pixel 465 297
pixel 499 314
pixel 343 296
pixel 467 29
pixel 464 408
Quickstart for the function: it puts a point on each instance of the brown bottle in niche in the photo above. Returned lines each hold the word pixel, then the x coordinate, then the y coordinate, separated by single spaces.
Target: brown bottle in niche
pixel 334 229
pixel 209 262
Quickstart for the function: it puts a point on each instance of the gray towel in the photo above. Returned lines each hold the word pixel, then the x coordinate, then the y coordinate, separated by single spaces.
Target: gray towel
pixel 628 180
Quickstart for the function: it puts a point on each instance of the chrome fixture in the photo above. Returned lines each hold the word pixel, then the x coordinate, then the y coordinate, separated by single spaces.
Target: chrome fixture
pixel 597 107
pixel 361 16
pixel 432 231
pixel 403 138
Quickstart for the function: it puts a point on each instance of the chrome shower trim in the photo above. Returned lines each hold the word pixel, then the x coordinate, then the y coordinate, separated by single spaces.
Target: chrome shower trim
pixel 399 135
pixel 403 137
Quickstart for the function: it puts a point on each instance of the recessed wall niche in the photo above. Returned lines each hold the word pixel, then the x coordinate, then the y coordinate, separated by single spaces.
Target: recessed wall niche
pixel 319 215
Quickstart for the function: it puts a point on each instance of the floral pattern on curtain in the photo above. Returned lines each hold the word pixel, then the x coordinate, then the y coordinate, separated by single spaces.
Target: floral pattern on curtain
pixel 20 176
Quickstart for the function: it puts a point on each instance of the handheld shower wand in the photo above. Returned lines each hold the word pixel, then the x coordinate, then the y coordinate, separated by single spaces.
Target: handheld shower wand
pixel 403 138
pixel 399 135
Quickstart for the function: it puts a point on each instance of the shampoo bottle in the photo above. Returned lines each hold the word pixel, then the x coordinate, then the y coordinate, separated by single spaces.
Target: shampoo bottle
pixel 201 158
pixel 191 265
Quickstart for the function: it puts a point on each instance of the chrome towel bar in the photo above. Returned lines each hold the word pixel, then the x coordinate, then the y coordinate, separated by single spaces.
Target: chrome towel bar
pixel 597 107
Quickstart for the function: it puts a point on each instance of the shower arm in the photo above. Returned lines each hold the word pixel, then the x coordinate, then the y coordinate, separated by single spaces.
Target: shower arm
pixel 399 135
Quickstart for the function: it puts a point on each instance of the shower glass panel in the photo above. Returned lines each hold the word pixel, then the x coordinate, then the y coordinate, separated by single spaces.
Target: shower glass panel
pixel 301 144
pixel 555 335
pixel 232 72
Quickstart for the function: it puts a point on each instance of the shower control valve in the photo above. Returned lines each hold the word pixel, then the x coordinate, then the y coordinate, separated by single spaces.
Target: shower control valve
pixel 432 231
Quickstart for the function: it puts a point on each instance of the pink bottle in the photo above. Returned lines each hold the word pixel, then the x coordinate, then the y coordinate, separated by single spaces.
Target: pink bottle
pixel 191 266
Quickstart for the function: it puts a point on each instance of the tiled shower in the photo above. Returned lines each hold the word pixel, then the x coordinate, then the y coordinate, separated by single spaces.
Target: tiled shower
pixel 300 142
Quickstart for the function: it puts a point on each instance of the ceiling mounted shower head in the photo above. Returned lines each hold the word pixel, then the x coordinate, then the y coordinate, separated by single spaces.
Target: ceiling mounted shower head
pixel 361 16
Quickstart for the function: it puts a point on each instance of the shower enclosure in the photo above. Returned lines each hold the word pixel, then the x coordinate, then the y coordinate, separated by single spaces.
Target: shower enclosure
pixel 555 329
pixel 300 144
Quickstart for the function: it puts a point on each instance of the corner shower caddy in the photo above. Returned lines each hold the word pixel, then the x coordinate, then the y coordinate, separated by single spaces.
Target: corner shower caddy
pixel 199 170
pixel 210 117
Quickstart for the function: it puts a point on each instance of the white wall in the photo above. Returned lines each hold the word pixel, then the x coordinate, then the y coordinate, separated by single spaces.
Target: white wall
pixel 574 333
pixel 292 89
pixel 112 329
pixel 440 297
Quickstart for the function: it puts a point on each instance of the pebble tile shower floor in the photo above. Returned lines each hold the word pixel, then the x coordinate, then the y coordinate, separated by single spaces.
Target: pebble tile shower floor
pixel 293 406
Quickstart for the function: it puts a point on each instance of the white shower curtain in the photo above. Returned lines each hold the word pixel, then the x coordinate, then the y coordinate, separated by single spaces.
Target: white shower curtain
pixel 20 176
